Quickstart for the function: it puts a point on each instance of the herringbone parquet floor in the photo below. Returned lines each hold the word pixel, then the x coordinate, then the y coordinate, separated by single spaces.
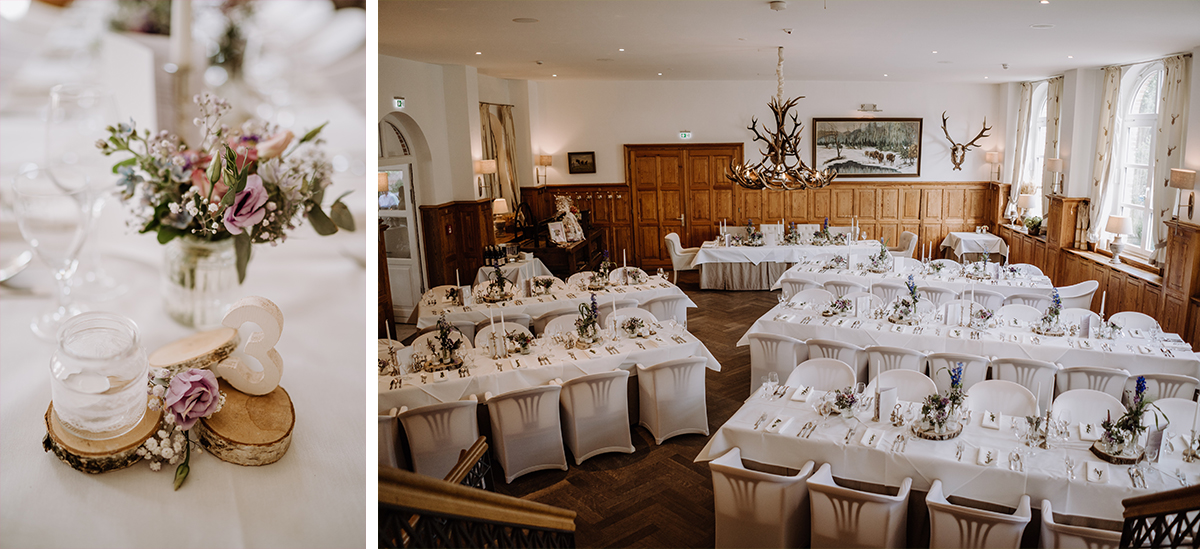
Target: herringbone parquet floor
pixel 657 496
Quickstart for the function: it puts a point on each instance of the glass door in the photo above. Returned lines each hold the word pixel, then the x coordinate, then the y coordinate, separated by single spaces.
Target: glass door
pixel 401 241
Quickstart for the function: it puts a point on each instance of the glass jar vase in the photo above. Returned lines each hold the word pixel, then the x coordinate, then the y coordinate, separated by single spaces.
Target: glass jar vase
pixel 199 280
pixel 98 376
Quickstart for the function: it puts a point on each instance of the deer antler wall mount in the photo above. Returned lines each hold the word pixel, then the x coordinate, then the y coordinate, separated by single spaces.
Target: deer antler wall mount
pixel 958 152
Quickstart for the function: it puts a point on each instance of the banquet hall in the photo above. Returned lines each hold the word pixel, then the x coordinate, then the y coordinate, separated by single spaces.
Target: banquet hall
pixel 938 259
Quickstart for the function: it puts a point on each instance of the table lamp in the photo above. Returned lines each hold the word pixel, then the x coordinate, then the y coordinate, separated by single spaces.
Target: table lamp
pixel 1024 202
pixel 543 161
pixel 499 207
pixel 1186 180
pixel 1055 166
pixel 1119 225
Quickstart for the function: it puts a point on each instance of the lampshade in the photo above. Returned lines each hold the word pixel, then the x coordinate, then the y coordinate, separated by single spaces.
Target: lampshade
pixel 1054 165
pixel 499 206
pixel 1183 179
pixel 383 184
pixel 544 159
pixel 485 166
pixel 992 157
pixel 1025 201
pixel 1119 224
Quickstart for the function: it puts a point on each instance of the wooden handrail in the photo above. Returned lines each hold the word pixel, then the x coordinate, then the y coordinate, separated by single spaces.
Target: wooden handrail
pixel 1161 503
pixel 407 490
pixel 467 460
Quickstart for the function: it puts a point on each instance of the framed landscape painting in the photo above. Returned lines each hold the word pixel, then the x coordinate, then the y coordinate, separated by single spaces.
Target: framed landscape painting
pixel 581 162
pixel 868 147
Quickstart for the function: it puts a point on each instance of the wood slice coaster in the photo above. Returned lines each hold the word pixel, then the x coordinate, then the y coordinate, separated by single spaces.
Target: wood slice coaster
pixel 249 430
pixel 1115 459
pixel 202 350
pixel 932 435
pixel 98 456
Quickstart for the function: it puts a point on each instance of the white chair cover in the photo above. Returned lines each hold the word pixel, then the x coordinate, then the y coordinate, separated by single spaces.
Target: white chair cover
pixel 1074 315
pixel 437 433
pixel 1177 412
pixel 579 279
pixel 840 288
pixel 1024 313
pixel 673 398
pixel 873 302
pixel 526 430
pixel 756 509
pixel 949 266
pixel 624 275
pixel 975 369
pixel 1002 397
pixel 816 297
pixel 466 327
pixel 562 324
pixel 1032 374
pixel 668 307
pixel 991 299
pixel 538 324
pixel 1167 385
pixel 957 526
pixel 911 385
pixel 793 284
pixel 1078 295
pixel 1067 536
pixel 1086 406
pixel 389 434
pixel 595 414
pixel 681 258
pixel 937 295
pixel 822 374
pixel 1105 380
pixel 958 312
pixel 846 352
pixel 774 353
pixel 1132 320
pixel 906 247
pixel 605 306
pixel 629 312
pixel 521 319
pixel 889 291
pixel 483 336
pixel 881 358
pixel 843 517
pixel 1037 301
pixel 1028 269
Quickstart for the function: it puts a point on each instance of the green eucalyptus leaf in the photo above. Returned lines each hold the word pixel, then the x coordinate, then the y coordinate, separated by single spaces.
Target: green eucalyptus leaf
pixel 123 163
pixel 320 222
pixel 241 245
pixel 341 216
pixel 312 134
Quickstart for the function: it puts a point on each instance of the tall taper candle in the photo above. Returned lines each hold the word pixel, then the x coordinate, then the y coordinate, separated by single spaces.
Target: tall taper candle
pixel 456 281
pixel 1103 298
pixel 181 34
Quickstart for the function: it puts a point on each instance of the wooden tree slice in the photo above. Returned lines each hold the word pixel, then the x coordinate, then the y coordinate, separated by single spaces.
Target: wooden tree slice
pixel 202 350
pixel 98 456
pixel 249 430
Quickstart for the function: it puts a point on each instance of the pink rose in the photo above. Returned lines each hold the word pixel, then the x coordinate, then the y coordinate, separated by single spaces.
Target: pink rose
pixel 193 394
pixel 248 206
pixel 275 145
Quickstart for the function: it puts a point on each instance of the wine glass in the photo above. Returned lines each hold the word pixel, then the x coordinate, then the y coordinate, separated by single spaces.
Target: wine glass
pixel 77 117
pixel 54 220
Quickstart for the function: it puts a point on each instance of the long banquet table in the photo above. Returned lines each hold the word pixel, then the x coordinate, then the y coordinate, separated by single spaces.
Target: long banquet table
pixel 758 267
pixel 956 282
pixel 1044 477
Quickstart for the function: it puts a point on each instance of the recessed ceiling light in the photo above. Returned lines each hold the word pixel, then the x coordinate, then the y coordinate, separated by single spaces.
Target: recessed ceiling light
pixel 1070 57
pixel 621 49
pixel 885 75
pixel 934 51
pixel 660 74
pixel 1041 26
pixel 554 75
pixel 478 53
pixel 985 78
pixel 525 20
pixel 1045 1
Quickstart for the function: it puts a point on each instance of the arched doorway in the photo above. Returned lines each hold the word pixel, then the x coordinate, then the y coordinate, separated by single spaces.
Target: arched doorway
pixel 403 157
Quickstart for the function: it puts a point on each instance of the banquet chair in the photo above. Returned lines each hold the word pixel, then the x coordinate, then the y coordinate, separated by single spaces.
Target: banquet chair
pixel 1167 386
pixel 1175 412
pixel 807 229
pixel 822 374
pixel 881 358
pixel 906 246
pixel 757 509
pixel 1096 378
pixel 1002 397
pixel 774 353
pixel 844 517
pixel 595 414
pixel 911 385
pixel 1075 315
pixel 580 278
pixel 526 431
pixel 466 327
pixel 437 433
pixel 875 302
pixel 673 398
pixel 1037 301
pixel 1132 320
pixel 1078 295
pixel 988 298
pixel 513 318
pixel 975 369
pixel 849 353
pixel 1027 269
pixel 421 343
pixel 952 525
pixel 889 291
pixel 562 324
pixel 389 435
pixel 817 297
pixel 908 264
pixel 1059 534
pixel 630 312
pixel 1086 406
pixel 839 230
pixel 1024 313
pixel 936 295
pixel 840 288
pixel 958 311
pixel 1035 375
pixel 606 306
pixel 618 275
pixel 681 258
pixel 539 322
pixel 949 266
pixel 484 334
pixel 668 307
pixel 793 284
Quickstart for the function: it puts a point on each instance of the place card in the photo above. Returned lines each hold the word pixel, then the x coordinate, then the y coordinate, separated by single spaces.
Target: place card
pixel 988 456
pixel 778 424
pixel 1090 432
pixel 802 393
pixel 872 437
pixel 991 420
pixel 1097 472
pixel 1085 344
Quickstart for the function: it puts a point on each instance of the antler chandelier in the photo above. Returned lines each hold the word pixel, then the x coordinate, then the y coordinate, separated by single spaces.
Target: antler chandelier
pixel 781 168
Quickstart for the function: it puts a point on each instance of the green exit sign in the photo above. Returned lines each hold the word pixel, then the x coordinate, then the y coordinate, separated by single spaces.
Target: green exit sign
pixel 685 135
pixel 399 102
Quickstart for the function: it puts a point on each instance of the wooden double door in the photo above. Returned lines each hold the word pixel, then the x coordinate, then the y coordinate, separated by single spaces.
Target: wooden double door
pixel 678 189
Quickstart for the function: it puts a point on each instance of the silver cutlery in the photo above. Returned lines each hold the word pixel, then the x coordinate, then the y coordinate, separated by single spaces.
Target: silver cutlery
pixel 800 433
pixel 849 434
pixel 761 419
pixel 959 451
pixel 1070 463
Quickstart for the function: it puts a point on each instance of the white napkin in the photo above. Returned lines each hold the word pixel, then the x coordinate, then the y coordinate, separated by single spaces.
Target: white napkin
pixel 1145 350
pixel 1085 344
pixel 991 420
pixel 988 456
pixel 1097 472
pixel 1138 333
pixel 1089 432
pixel 871 438
pixel 801 393
pixel 956 333
pixel 778 424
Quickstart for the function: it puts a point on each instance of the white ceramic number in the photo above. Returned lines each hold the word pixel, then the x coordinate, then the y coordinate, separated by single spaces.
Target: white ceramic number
pixel 259 324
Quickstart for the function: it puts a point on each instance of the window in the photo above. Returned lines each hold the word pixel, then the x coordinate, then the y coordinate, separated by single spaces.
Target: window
pixel 1134 159
pixel 1035 148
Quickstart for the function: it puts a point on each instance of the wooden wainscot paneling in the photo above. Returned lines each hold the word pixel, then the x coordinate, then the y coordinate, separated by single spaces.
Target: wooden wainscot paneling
pixel 1181 279
pixel 455 234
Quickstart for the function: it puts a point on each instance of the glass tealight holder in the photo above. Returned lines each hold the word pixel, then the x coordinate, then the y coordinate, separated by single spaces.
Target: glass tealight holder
pixel 98 376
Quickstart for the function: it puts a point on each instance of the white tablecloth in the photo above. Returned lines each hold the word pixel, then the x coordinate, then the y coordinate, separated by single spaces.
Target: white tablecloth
pixel 516 271
pixel 710 252
pixel 1044 477
pixel 962 243
pixel 1024 285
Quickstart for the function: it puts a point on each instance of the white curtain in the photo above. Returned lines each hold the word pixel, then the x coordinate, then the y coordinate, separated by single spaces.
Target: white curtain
pixel 1168 149
pixel 1104 178
pixel 1019 160
pixel 510 190
pixel 1053 112
pixel 489 141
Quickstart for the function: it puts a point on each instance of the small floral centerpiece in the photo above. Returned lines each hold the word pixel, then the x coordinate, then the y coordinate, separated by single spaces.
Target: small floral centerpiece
pixel 1108 330
pixel 978 270
pixel 1049 323
pixel 940 412
pixel 882 261
pixel 1011 271
pixel 793 236
pixel 606 266
pixel 904 308
pixel 844 401
pixel 934 268
pixel 542 285
pixel 753 237
pixel 498 289
pixel 185 397
pixel 520 340
pixel 980 317
pixel 443 346
pixel 636 327
pixel 823 237
pixel 588 324
pixel 597 281
pixel 454 295
pixel 838 262
pixel 210 204
pixel 634 275
pixel 1120 437
pixel 839 306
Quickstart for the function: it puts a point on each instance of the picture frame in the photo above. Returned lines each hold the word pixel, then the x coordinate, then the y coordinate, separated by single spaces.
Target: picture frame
pixel 868 147
pixel 581 162
pixel 558 234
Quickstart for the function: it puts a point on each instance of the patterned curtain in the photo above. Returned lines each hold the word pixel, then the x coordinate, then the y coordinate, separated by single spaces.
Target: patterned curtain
pixel 509 190
pixel 1172 127
pixel 489 142
pixel 1053 112
pixel 1019 160
pixel 1104 180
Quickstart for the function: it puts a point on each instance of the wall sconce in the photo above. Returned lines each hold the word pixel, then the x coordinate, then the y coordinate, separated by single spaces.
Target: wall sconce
pixel 993 158
pixel 383 182
pixel 543 162
pixel 1119 225
pixel 1186 180
pixel 482 168
pixel 1055 166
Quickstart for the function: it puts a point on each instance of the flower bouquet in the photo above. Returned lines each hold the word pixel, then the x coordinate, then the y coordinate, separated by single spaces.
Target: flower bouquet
pixel 940 413
pixel 635 327
pixel 882 261
pixel 442 348
pixel 844 401
pixel 980 317
pixel 977 270
pixel 793 236
pixel 1108 330
pixel 184 397
pixel 825 238
pixel 597 281
pixel 209 205
pixel 498 289
pixel 454 295
pixel 753 237
pixel 838 262
pixel 838 306
pixel 904 308
pixel 588 324
pixel 1118 443
pixel 520 340
pixel 542 285
pixel 1049 324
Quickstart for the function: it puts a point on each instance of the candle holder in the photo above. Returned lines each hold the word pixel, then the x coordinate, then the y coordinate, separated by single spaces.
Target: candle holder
pixel 1191 452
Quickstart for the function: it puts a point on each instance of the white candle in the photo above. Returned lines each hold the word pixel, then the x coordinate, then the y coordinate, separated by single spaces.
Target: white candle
pixel 502 321
pixel 1195 420
pixel 456 281
pixel 491 319
pixel 181 34
pixel 624 265
pixel 1103 298
pixel 387 332
pixel 1038 394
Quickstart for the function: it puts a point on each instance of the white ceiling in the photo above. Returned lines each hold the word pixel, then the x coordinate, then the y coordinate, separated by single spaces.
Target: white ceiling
pixel 841 40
